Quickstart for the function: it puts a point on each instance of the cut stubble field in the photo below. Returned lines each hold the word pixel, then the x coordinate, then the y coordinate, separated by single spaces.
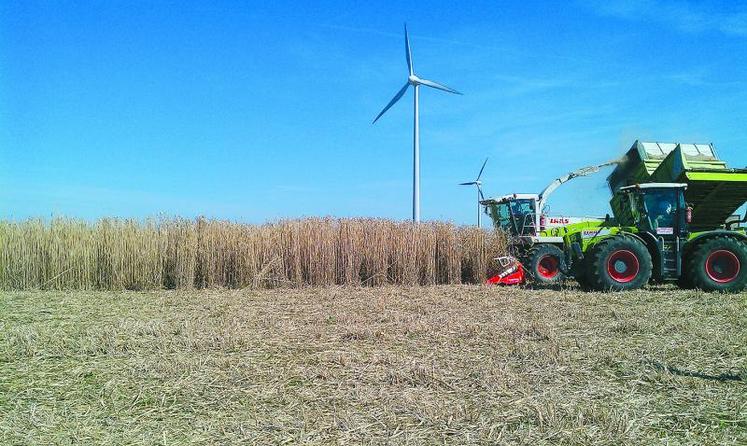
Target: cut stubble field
pixel 396 365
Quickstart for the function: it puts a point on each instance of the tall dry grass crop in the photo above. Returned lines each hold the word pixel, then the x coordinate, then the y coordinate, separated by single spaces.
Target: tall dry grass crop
pixel 114 254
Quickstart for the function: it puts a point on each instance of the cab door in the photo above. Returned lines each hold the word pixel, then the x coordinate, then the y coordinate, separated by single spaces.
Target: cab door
pixel 664 216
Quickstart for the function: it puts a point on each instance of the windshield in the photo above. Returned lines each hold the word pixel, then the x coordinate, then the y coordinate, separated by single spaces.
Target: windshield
pixel 502 216
pixel 660 209
pixel 514 216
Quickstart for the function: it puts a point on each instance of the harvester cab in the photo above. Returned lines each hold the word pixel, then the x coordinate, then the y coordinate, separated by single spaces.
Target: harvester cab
pixel 514 214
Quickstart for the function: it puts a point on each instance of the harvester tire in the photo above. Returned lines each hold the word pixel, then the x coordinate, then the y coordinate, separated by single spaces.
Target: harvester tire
pixel 617 264
pixel 718 264
pixel 546 264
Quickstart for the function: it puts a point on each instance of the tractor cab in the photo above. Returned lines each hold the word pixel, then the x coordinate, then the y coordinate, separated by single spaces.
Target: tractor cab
pixel 655 208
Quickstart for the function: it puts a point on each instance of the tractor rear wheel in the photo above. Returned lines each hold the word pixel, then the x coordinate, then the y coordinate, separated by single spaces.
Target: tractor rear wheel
pixel 618 263
pixel 546 264
pixel 718 264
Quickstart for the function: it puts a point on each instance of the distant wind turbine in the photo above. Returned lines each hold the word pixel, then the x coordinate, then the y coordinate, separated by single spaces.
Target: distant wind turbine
pixel 480 196
pixel 416 82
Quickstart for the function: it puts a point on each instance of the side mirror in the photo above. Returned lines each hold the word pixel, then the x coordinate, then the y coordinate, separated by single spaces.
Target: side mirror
pixel 607 218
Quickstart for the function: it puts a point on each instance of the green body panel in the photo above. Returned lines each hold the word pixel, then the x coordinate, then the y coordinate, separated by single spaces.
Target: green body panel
pixel 623 214
pixel 678 162
pixel 714 196
pixel 588 237
pixel 729 176
pixel 562 231
pixel 694 235
pixel 558 231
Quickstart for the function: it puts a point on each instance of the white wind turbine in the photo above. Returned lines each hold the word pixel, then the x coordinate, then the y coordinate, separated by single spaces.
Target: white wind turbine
pixel 416 82
pixel 480 197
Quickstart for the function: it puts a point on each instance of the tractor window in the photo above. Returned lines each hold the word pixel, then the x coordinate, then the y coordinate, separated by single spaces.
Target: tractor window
pixel 660 208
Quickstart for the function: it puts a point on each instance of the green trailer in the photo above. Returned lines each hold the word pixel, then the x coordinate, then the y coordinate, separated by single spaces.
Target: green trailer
pixel 714 191
pixel 673 207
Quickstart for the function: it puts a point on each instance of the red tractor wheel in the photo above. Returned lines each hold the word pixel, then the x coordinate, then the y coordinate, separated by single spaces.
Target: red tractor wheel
pixel 548 267
pixel 623 266
pixel 618 263
pixel 722 266
pixel 546 264
pixel 718 264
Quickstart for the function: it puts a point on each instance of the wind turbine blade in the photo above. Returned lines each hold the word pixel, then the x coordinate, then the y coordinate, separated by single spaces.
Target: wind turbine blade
pixel 481 169
pixel 437 86
pixel 467 184
pixel 408 52
pixel 395 99
pixel 479 189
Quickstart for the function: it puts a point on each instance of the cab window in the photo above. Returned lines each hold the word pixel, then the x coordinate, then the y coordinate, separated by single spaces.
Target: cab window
pixel 660 208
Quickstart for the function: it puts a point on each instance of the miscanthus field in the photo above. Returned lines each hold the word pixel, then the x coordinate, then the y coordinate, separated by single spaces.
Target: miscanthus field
pixel 172 253
pixel 440 364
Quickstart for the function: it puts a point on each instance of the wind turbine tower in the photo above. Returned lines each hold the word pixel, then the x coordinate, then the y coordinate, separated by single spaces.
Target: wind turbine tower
pixel 414 81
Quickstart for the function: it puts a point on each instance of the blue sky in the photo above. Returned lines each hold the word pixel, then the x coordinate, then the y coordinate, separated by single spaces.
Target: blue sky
pixel 256 111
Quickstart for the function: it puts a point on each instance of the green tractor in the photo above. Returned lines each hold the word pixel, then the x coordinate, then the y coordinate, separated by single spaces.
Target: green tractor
pixel 677 224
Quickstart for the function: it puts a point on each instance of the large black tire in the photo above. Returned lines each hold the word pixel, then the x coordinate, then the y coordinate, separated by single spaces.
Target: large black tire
pixel 718 264
pixel 546 264
pixel 685 281
pixel 579 273
pixel 618 263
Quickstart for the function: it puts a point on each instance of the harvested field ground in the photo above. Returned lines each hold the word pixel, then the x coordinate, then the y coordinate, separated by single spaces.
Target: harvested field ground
pixel 431 365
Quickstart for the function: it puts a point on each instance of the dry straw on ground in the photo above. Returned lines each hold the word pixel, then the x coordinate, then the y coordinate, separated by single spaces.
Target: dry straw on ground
pixel 454 365
pixel 116 254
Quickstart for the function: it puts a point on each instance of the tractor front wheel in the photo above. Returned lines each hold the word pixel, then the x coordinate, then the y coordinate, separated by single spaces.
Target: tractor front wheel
pixel 718 264
pixel 618 263
pixel 546 264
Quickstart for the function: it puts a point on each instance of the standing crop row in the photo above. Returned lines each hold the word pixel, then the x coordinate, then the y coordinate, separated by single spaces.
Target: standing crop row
pixel 114 254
